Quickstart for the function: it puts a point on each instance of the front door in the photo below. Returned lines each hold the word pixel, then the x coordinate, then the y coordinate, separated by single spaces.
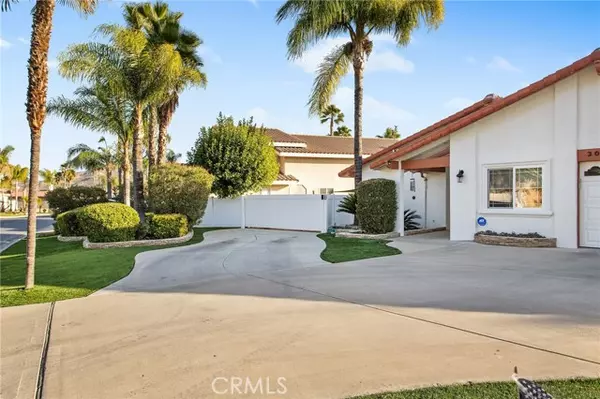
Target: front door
pixel 590 204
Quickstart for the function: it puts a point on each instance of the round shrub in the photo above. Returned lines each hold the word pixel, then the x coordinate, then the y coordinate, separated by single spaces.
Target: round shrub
pixel 168 226
pixel 376 205
pixel 181 189
pixel 108 222
pixel 67 224
pixel 64 199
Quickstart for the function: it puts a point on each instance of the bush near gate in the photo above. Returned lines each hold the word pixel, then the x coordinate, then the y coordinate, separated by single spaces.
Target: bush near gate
pixel 376 205
pixel 67 224
pixel 109 222
pixel 179 189
pixel 65 199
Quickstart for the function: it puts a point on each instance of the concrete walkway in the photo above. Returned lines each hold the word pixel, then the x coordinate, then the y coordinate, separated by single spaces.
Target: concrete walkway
pixel 261 305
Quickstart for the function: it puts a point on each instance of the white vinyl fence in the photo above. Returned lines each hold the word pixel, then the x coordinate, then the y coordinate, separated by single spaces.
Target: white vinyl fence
pixel 288 212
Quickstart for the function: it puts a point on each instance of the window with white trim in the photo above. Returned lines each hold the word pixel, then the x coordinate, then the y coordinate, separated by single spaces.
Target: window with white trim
pixel 515 187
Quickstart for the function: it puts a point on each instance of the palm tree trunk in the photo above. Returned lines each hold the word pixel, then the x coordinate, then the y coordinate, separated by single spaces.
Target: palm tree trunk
pixel 331 126
pixel 37 89
pixel 152 137
pixel 359 65
pixel 108 172
pixel 120 179
pixel 138 164
pixel 126 175
pixel 163 123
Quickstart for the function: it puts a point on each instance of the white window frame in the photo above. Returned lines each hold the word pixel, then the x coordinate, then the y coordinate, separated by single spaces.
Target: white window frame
pixel 545 210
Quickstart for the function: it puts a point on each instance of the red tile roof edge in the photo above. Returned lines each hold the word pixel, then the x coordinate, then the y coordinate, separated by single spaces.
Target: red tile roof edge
pixel 474 113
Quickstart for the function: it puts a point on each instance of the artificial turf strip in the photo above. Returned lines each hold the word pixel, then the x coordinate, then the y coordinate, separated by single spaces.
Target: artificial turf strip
pixel 346 249
pixel 65 270
pixel 559 389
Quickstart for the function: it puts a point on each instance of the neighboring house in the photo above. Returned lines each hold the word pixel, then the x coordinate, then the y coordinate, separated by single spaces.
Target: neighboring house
pixel 528 162
pixel 310 164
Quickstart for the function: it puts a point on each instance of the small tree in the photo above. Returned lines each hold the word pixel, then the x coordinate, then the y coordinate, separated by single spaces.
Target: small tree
pixel 343 131
pixel 390 133
pixel 240 157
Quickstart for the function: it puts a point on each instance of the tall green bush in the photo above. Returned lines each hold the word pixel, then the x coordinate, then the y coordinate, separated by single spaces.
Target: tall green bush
pixel 168 226
pixel 376 205
pixel 108 222
pixel 67 224
pixel 181 189
pixel 64 199
pixel 240 157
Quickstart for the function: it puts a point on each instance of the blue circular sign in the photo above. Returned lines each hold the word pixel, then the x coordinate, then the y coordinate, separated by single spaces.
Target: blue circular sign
pixel 481 221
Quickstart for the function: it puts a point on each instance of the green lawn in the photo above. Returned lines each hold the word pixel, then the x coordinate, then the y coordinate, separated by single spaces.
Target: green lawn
pixel 346 249
pixel 65 270
pixel 559 389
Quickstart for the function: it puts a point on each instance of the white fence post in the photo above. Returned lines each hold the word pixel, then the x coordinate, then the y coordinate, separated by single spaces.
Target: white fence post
pixel 243 221
pixel 324 214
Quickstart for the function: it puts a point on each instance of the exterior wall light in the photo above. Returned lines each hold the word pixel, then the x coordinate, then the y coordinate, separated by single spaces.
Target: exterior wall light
pixel 460 175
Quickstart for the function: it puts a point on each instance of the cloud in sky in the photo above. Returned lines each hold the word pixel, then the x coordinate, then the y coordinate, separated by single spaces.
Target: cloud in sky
pixel 53 63
pixel 471 60
pixel 4 43
pixel 23 40
pixel 458 103
pixel 372 108
pixel 379 60
pixel 210 55
pixel 254 2
pixel 502 64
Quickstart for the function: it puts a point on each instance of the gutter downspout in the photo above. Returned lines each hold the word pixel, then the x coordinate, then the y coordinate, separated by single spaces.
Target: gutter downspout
pixel 424 176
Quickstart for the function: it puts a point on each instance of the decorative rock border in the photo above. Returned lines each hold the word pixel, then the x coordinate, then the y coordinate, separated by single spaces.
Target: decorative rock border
pixel 516 241
pixel 357 234
pixel 126 244
pixel 423 231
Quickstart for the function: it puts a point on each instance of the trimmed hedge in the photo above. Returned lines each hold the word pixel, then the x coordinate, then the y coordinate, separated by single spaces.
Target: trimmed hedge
pixel 108 222
pixel 376 205
pixel 180 189
pixel 168 226
pixel 67 224
pixel 61 199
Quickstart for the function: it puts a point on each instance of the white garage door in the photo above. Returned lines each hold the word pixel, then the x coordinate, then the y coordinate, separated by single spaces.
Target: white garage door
pixel 590 204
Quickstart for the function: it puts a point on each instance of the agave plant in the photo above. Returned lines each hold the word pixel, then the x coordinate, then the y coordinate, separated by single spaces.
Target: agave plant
pixel 410 220
pixel 348 204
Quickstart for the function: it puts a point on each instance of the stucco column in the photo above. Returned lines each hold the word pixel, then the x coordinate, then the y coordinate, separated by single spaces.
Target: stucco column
pixel 400 200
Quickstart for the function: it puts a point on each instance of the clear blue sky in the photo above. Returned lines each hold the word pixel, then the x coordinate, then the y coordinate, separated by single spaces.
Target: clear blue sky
pixel 482 47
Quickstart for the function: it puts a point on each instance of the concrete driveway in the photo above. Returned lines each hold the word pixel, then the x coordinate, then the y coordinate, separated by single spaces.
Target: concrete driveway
pixel 256 306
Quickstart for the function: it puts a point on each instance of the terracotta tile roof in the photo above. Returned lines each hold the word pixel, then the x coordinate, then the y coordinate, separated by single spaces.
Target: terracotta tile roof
pixel 279 136
pixel 282 177
pixel 469 115
pixel 337 145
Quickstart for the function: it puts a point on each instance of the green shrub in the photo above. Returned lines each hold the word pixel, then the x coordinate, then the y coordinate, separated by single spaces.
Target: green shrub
pixel 168 226
pixel 376 205
pixel 410 220
pixel 67 224
pixel 64 199
pixel 108 222
pixel 181 189
pixel 348 204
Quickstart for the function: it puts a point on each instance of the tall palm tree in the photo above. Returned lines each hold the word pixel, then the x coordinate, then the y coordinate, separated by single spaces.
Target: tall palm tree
pixel 343 131
pixel 172 156
pixel 331 114
pixel 358 19
pixel 103 158
pixel 36 103
pixel 140 72
pixel 18 175
pixel 66 175
pixel 162 26
pixel 49 177
pixel 5 167
pixel 101 109
pixel 390 133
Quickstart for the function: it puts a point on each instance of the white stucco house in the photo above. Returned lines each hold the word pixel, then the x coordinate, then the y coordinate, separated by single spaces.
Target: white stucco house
pixel 527 162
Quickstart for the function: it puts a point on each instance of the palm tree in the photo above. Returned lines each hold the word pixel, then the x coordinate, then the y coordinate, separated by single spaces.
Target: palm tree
pixel 103 158
pixel 49 177
pixel 101 109
pixel 343 131
pixel 390 133
pixel 66 175
pixel 317 20
pixel 139 71
pixel 18 175
pixel 36 103
pixel 162 26
pixel 5 167
pixel 331 114
pixel 172 156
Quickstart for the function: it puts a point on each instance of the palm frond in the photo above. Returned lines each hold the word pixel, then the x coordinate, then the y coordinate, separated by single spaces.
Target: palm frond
pixel 330 72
